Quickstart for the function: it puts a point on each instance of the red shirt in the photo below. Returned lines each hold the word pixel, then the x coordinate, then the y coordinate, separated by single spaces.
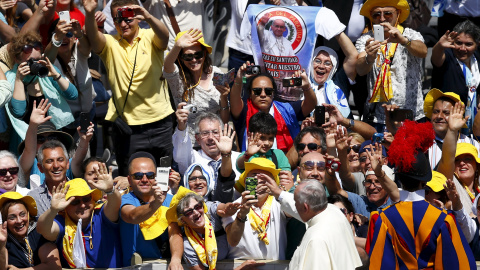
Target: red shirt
pixel 75 13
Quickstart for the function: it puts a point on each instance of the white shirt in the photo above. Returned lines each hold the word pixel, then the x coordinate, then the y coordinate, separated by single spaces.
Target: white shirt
pixel 250 247
pixel 327 244
pixel 407 196
pixel 435 153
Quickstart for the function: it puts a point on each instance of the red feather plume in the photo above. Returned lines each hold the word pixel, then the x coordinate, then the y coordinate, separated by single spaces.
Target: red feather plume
pixel 409 139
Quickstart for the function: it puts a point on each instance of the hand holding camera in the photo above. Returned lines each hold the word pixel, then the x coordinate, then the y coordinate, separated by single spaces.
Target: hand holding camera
pixel 182 116
pixel 46 66
pixel 303 75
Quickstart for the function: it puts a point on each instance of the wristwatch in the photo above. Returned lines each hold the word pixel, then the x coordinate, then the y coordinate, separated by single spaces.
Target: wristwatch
pixel 352 124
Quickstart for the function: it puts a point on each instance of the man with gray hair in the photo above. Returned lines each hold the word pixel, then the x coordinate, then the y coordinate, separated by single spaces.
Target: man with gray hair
pixel 328 242
pixel 209 135
pixel 53 162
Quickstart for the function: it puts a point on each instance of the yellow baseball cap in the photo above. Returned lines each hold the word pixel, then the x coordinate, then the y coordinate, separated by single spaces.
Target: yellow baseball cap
pixel 28 200
pixel 432 97
pixel 201 41
pixel 398 4
pixel 254 164
pixel 438 181
pixel 172 209
pixel 79 188
pixel 467 148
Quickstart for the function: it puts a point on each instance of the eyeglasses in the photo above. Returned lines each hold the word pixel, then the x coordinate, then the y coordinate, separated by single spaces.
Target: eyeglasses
pixel 195 178
pixel 311 146
pixel 27 49
pixel 362 159
pixel 85 199
pixel 189 56
pixel 198 207
pixel 119 20
pixel 206 133
pixel 318 62
pixel 386 14
pixel 355 148
pixel 258 91
pixel 12 171
pixel 42 139
pixel 310 165
pixel 139 175
pixel 367 184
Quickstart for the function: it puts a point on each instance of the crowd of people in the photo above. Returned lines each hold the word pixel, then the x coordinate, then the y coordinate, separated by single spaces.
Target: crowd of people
pixel 203 171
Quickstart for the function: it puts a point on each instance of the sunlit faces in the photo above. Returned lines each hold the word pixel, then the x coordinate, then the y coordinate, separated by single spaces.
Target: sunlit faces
pixel 315 172
pixel 465 46
pixel 440 113
pixel 54 165
pixel 384 14
pixel 261 193
pixel 80 208
pixel 322 65
pixel 308 144
pixel 17 220
pixel 465 167
pixel 265 141
pixel 127 29
pixel 375 193
pixel 195 64
pixel 197 182
pixel 90 172
pixel 194 215
pixel 33 51
pixel 208 130
pixel 353 157
pixel 144 185
pixel 262 101
pixel 10 179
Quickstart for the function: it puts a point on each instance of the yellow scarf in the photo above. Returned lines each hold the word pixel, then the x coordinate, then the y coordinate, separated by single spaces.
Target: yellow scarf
pixel 382 91
pixel 69 236
pixel 206 249
pixel 259 224
pixel 155 225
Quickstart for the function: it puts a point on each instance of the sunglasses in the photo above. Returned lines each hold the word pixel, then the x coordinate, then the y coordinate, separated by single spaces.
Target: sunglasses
pixel 386 14
pixel 311 146
pixel 27 49
pixel 258 91
pixel 355 148
pixel 139 175
pixel 42 139
pixel 198 207
pixel 85 199
pixel 12 171
pixel 310 165
pixel 119 20
pixel 367 184
pixel 189 56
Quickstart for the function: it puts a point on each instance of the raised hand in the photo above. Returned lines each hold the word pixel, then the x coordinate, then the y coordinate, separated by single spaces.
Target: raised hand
pixel 286 180
pixel 100 18
pixel 395 36
pixel 308 122
pixel 52 72
pixel 22 70
pixel 254 144
pixel 87 136
pixel 247 202
pixel 90 5
pixel 305 81
pixel 45 5
pixel 62 29
pixel 189 39
pixel 335 116
pixel 371 49
pixel 329 170
pixel 330 130
pixel 243 69
pixel 342 140
pixel 446 41
pixel 7 4
pixel 174 179
pixel 225 142
pixel 456 120
pixel 376 158
pixel 76 29
pixel 182 116
pixel 58 202
pixel 223 89
pixel 158 194
pixel 453 195
pixel 104 178
pixel 38 112
pixel 229 210
pixel 140 12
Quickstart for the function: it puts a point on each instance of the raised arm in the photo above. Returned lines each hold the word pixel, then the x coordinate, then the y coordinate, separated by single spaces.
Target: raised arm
pixel 416 47
pixel 235 229
pixel 60 32
pixel 158 27
pixel 188 39
pixel 236 102
pixel 83 45
pixel 366 59
pixel 331 182
pixel 81 151
pixel 43 14
pixel 342 141
pixel 438 51
pixel 176 246
pixel 96 38
pixel 136 215
pixel 377 160
pixel 225 144
pixel 310 99
pixel 105 184
pixel 6 32
pixel 362 128
pixel 351 55
pixel 46 225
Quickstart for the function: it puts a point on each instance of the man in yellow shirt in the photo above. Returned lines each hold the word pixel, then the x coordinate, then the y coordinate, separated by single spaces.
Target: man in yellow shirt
pixel 134 62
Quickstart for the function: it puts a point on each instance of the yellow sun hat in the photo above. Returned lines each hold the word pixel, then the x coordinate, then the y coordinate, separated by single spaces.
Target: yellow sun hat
pixel 402 5
pixel 438 181
pixel 200 40
pixel 172 209
pixel 254 164
pixel 28 200
pixel 432 97
pixel 79 188
pixel 467 148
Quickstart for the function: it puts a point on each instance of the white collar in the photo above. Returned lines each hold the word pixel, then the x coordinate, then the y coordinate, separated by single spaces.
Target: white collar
pixel 205 156
pixel 406 196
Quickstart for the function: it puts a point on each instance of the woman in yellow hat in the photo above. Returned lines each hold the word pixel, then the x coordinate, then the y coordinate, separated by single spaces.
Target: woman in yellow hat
pixel 189 71
pixel 19 240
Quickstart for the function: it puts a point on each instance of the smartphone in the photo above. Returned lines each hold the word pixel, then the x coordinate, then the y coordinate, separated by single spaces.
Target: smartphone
pixel 251 185
pixel 163 172
pixel 319 115
pixel 64 15
pixel 378 33
pixel 291 81
pixel 84 122
pixel 125 12
pixel 401 115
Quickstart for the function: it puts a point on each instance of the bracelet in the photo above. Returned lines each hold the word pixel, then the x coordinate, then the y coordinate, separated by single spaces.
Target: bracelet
pixel 243 220
pixel 225 108
pixel 227 155
pixel 408 42
pixel 57 78
pixel 383 176
pixel 110 192
pixel 55 42
pixel 366 60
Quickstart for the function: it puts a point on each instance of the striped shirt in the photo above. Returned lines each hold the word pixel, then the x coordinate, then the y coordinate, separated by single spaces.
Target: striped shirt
pixel 435 153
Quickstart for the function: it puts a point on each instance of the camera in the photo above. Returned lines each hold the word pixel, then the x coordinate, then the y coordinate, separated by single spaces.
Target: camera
pixel 292 81
pixel 191 107
pixel 125 12
pixel 253 70
pixel 377 138
pixel 333 165
pixel 37 69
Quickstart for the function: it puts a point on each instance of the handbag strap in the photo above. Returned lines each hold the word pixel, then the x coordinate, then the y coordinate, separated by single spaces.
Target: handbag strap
pixel 171 16
pixel 129 85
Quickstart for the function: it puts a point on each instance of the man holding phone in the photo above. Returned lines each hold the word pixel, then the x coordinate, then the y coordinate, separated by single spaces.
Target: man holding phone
pixel 393 66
